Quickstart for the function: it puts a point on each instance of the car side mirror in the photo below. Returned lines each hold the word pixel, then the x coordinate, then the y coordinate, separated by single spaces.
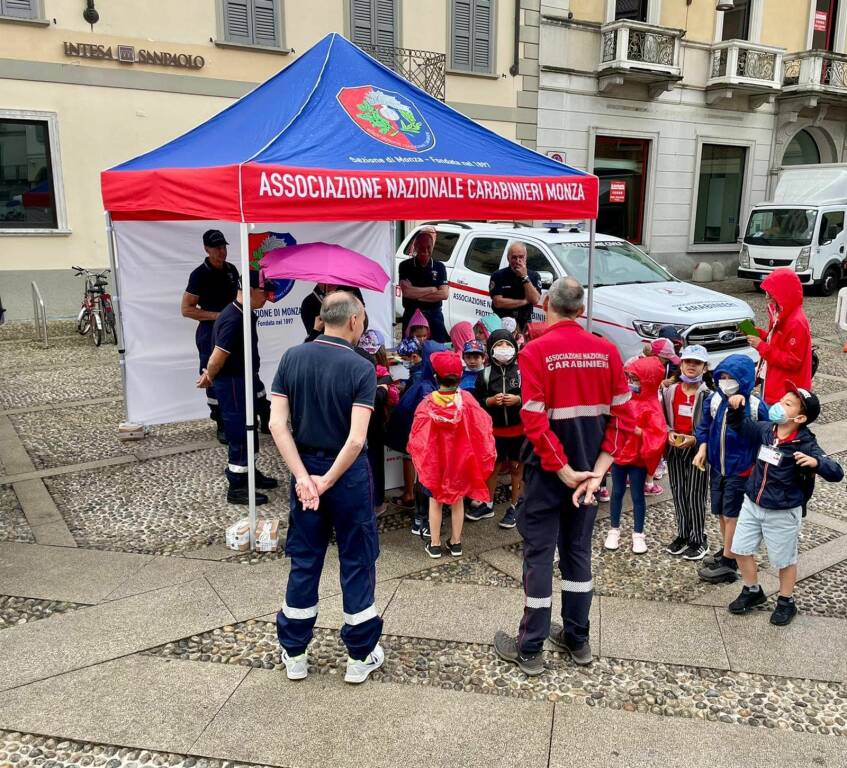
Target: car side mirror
pixel 546 279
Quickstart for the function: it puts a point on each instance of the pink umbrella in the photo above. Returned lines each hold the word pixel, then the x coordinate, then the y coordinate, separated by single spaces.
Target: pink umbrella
pixel 324 263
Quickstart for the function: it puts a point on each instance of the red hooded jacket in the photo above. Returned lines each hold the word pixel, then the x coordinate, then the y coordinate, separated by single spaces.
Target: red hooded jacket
pixel 788 351
pixel 645 410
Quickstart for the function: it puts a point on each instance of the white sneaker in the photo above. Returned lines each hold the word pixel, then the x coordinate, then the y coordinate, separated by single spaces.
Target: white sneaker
pixel 358 671
pixel 639 543
pixel 613 538
pixel 296 667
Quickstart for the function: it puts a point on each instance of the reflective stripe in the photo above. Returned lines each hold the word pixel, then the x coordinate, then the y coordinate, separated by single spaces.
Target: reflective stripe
pixel 237 468
pixel 211 401
pixel 536 406
pixel 621 399
pixel 577 586
pixel 361 617
pixel 299 613
pixel 262 394
pixel 539 602
pixel 576 411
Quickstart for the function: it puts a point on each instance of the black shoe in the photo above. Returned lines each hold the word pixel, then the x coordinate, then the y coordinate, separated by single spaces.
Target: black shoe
pixel 242 496
pixel 507 649
pixel 264 482
pixel 455 548
pixel 581 655
pixel 695 552
pixel 510 519
pixel 718 571
pixel 785 611
pixel 747 600
pixel 433 550
pixel 677 546
pixel 483 511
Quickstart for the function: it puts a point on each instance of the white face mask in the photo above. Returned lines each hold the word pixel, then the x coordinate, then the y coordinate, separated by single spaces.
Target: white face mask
pixel 729 387
pixel 475 366
pixel 504 354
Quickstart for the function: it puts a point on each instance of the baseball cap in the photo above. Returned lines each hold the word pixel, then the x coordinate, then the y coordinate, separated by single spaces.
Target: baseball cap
pixel 409 346
pixel 212 238
pixel 473 347
pixel 811 404
pixel 371 341
pixel 695 352
pixel 446 364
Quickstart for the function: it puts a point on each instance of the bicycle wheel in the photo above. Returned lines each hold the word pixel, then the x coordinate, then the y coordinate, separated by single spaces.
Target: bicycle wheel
pixel 109 322
pixel 83 322
pixel 97 324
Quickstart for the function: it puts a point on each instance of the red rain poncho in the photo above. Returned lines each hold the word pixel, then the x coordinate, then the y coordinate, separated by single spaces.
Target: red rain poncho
pixel 646 449
pixel 452 447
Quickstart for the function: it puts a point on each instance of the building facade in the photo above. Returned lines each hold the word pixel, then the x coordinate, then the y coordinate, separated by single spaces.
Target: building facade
pixel 687 112
pixel 87 85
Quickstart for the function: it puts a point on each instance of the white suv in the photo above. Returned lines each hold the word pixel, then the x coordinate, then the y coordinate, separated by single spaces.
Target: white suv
pixel 634 296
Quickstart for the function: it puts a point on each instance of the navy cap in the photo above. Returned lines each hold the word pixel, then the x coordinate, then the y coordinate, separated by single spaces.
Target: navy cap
pixel 811 404
pixel 213 238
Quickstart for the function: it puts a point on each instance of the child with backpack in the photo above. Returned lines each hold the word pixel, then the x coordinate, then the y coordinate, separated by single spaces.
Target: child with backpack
pixel 729 456
pixel 787 459
pixel 641 451
pixel 498 391
pixel 452 447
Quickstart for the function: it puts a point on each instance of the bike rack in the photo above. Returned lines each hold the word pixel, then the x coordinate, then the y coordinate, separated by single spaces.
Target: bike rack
pixel 39 315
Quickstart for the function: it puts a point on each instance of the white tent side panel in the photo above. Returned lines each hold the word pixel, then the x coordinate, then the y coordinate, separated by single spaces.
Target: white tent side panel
pixel 154 260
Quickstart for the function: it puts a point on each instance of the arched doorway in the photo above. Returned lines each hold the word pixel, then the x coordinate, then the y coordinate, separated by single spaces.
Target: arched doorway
pixel 802 150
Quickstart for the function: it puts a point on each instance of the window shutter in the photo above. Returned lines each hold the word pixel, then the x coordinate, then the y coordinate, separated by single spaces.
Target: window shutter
pixel 460 54
pixel 482 36
pixel 361 22
pixel 265 23
pixel 385 23
pixel 20 9
pixel 237 26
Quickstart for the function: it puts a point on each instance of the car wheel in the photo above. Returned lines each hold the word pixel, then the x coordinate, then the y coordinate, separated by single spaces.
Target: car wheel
pixel 829 282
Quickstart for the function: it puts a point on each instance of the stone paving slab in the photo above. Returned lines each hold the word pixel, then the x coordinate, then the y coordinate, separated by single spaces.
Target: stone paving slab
pixel 503 560
pixel 138 701
pixel 666 632
pixel 164 571
pixel 13 456
pixel 59 573
pixel 811 646
pixel 93 635
pixel 37 503
pixel 604 738
pixel 53 535
pixel 251 592
pixel 822 557
pixel 321 721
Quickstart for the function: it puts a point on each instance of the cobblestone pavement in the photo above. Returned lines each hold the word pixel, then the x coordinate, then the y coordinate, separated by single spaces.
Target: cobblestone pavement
pixel 172 505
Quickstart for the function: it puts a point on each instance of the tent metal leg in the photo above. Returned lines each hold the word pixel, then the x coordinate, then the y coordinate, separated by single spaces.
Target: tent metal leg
pixel 589 305
pixel 248 383
pixel 116 305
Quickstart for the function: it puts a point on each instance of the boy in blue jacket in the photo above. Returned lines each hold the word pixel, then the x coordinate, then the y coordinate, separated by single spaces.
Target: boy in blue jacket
pixel 730 457
pixel 788 457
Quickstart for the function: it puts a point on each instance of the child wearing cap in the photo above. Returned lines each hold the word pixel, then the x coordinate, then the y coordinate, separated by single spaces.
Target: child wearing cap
pixel 418 327
pixel 788 457
pixel 452 447
pixel 473 356
pixel 683 403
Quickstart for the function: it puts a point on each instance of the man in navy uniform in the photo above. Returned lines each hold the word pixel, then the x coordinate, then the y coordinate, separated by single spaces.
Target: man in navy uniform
pixel 423 283
pixel 211 287
pixel 225 371
pixel 515 290
pixel 327 390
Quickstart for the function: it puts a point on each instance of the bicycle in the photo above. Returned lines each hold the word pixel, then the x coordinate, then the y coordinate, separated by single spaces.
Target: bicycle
pixel 96 314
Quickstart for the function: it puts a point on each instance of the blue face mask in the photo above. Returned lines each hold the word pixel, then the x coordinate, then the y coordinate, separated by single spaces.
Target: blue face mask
pixel 776 414
pixel 634 388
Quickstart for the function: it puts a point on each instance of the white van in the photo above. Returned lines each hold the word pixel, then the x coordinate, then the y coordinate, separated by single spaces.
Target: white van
pixel 802 228
pixel 634 296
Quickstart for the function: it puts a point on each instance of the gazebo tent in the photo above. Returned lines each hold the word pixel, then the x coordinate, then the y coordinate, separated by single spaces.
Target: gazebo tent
pixel 336 136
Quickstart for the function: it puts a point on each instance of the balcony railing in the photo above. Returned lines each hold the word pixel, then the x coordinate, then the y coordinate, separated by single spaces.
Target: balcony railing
pixel 821 72
pixel 643 48
pixel 426 69
pixel 739 63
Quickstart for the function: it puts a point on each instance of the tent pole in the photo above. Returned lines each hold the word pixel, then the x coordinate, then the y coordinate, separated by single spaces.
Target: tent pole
pixel 248 383
pixel 592 232
pixel 116 306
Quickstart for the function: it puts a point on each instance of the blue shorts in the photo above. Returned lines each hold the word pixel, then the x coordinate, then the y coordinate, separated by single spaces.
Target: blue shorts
pixel 780 529
pixel 727 494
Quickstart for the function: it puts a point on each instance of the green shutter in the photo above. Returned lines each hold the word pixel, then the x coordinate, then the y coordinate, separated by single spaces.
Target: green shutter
pixel 265 23
pixel 460 39
pixel 20 9
pixel 482 28
pixel 237 21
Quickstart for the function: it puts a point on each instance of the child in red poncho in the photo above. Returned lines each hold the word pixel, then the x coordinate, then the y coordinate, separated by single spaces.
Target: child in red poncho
pixel 642 450
pixel 452 448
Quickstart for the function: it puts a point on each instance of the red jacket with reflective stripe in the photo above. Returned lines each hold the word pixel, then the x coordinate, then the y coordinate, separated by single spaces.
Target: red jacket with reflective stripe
pixel 573 388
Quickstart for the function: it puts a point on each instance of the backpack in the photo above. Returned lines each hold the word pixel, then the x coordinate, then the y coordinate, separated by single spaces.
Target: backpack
pixel 806 482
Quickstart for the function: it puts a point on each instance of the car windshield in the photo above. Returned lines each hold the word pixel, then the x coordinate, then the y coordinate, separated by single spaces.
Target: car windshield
pixel 781 226
pixel 616 263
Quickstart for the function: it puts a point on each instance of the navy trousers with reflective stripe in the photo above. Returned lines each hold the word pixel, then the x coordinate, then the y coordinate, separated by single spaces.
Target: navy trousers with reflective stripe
pixel 346 508
pixel 203 339
pixel 542 529
pixel 230 394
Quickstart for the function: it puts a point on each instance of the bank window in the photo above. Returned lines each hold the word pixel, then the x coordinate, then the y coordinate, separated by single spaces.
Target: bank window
pixel 472 35
pixel 633 10
pixel 736 23
pixel 27 187
pixel 823 25
pixel 485 254
pixel 832 225
pixel 252 22
pixel 20 9
pixel 719 193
